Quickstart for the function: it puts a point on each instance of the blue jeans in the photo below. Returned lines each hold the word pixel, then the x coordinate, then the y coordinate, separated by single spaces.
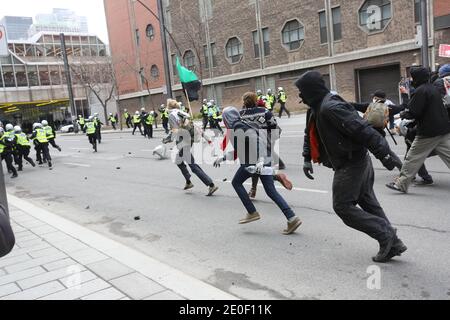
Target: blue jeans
pixel 243 175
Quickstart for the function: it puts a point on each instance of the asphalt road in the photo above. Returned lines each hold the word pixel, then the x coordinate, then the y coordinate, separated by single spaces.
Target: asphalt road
pixel 200 235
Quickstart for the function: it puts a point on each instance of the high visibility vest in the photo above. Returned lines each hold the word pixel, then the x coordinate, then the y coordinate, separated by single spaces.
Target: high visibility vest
pixel 126 115
pixel 2 146
pixel 205 110
pixel 136 119
pixel 90 127
pixel 165 114
pixel 22 140
pixel 112 119
pixel 81 121
pixel 49 132
pixel 41 135
pixel 10 135
pixel 271 100
pixel 150 120
pixel 282 97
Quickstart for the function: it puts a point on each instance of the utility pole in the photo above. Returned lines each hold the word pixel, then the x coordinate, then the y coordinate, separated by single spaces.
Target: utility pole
pixel 73 110
pixel 162 27
pixel 424 24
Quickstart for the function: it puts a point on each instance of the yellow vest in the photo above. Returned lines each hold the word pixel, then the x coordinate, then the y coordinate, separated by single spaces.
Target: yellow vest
pixel 41 136
pixel 49 132
pixel 90 127
pixel 22 140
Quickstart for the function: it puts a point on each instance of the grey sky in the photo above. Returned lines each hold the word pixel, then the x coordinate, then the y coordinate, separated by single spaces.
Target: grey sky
pixel 92 9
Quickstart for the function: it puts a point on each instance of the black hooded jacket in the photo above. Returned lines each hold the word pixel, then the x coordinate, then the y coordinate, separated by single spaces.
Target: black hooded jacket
pixel 426 106
pixel 343 134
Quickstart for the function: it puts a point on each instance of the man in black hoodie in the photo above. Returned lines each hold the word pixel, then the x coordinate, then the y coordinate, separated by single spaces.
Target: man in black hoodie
pixel 339 138
pixel 433 128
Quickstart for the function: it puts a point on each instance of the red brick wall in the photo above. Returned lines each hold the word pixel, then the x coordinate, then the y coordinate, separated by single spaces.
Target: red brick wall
pixel 441 8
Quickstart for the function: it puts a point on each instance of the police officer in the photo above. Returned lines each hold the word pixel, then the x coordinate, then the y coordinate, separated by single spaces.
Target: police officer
pixel 113 120
pixel 127 117
pixel 7 143
pixel 204 112
pixel 259 94
pixel 271 99
pixel 164 118
pixel 144 115
pixel 91 132
pixel 40 138
pixel 149 121
pixel 81 122
pixel 137 122
pixel 23 147
pixel 282 98
pixel 50 134
pixel 98 127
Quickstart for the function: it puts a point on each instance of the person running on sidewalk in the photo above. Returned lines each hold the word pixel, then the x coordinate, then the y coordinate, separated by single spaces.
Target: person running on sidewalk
pixel 23 147
pixel 183 132
pixel 91 132
pixel 98 128
pixel 247 142
pixel 51 135
pixel 433 128
pixel 339 138
pixel 6 151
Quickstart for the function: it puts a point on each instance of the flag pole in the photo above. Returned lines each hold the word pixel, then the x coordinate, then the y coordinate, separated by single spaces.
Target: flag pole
pixel 189 105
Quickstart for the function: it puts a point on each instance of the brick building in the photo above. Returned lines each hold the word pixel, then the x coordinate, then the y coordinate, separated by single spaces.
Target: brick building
pixel 243 45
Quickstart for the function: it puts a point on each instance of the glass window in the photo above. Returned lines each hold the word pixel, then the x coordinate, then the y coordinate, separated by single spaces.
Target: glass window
pixel 189 59
pixel 32 76
pixel 1 80
pixel 154 71
pixel 266 40
pixel 323 27
pixel 77 51
pixel 214 54
pixel 93 40
pixel 256 43
pixel 8 75
pixel 293 34
pixel 234 49
pixel 86 51
pixel 417 11
pixel 94 51
pixel 174 64
pixel 374 15
pixel 30 50
pixel 49 50
pixel 84 40
pixel 55 77
pixel 102 51
pixel 337 26
pixel 150 32
pixel 21 76
pixel 44 75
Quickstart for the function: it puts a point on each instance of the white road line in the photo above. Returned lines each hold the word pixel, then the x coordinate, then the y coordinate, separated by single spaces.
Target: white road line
pixel 80 148
pixel 282 188
pixel 78 164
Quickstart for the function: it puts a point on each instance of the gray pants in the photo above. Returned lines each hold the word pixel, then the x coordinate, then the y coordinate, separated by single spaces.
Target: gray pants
pixel 420 150
pixel 352 186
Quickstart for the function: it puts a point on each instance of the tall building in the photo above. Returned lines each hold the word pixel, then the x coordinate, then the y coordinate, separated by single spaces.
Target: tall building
pixel 60 20
pixel 237 46
pixel 16 27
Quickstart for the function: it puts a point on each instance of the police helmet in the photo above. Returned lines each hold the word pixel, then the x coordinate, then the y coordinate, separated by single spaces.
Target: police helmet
pixel 136 113
pixel 17 129
pixel 44 122
pixel 9 127
pixel 142 109
pixel 258 92
pixel 280 89
pixel 205 101
pixel 91 118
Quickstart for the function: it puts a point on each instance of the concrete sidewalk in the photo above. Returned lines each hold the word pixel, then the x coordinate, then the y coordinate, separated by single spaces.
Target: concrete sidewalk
pixel 56 259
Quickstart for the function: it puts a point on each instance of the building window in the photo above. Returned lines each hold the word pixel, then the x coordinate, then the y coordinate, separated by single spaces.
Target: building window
pixel 375 15
pixel 138 39
pixel 174 64
pixel 293 34
pixel 417 11
pixel 154 72
pixel 150 32
pixel 214 55
pixel 234 50
pixel 323 27
pixel 266 41
pixel 337 26
pixel 189 59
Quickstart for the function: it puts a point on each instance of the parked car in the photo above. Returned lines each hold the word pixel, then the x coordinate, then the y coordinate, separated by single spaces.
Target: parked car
pixel 67 129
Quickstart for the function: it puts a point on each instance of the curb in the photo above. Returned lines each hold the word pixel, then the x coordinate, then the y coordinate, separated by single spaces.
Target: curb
pixel 169 277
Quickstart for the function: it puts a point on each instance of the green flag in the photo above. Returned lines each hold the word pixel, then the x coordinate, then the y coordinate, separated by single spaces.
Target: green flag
pixel 189 81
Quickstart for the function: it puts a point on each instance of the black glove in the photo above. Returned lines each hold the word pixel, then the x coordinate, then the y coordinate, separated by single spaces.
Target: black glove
pixel 308 170
pixel 391 161
pixel 218 162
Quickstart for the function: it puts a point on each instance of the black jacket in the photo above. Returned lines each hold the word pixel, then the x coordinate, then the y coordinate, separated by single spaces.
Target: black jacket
pixel 343 134
pixel 426 106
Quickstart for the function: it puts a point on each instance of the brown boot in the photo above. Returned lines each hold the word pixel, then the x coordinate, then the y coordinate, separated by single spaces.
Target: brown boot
pixel 250 217
pixel 283 179
pixel 292 226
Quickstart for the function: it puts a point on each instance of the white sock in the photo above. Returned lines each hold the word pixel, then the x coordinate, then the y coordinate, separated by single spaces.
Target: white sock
pixel 292 219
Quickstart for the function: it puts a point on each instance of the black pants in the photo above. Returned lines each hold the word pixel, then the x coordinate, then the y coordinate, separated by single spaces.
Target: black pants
pixel 8 157
pixel 42 149
pixel 205 122
pixel 148 130
pixel 93 140
pixel 113 125
pixel 23 153
pixel 283 108
pixel 165 124
pixel 98 132
pixel 136 126
pixel 352 186
pixel 53 143
pixel 423 172
pixel 128 123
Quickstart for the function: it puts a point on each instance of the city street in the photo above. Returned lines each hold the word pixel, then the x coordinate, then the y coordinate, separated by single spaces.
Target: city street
pixel 126 194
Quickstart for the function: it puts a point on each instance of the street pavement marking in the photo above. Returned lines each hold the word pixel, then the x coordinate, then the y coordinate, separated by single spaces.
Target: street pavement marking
pixel 80 148
pixel 282 188
pixel 77 164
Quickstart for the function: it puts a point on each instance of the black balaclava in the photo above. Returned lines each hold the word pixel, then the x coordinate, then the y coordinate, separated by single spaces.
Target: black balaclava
pixel 312 88
pixel 420 75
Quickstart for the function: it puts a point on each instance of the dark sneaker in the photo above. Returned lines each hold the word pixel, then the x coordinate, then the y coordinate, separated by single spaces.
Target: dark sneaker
pixel 20 169
pixel 252 193
pixel 394 186
pixel 14 176
pixel 188 186
pixel 292 226
pixel 212 190
pixel 33 164
pixel 397 249
pixel 250 217
pixel 385 248
pixel 59 149
pixel 424 183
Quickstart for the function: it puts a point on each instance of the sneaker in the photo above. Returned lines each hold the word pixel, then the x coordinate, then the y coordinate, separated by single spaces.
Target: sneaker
pixel 14 176
pixel 59 149
pixel 285 182
pixel 424 183
pixel 33 164
pixel 188 186
pixel 385 249
pixel 394 186
pixel 250 217
pixel 292 226
pixel 252 193
pixel 212 189
pixel 397 249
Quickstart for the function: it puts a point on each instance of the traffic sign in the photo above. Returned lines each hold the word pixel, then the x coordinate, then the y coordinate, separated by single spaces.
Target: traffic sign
pixel 3 42
pixel 444 50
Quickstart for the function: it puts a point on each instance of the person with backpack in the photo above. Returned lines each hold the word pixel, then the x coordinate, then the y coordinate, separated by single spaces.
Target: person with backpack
pixel 427 108
pixel 442 83
pixel 337 137
pixel 250 147
pixel 184 132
